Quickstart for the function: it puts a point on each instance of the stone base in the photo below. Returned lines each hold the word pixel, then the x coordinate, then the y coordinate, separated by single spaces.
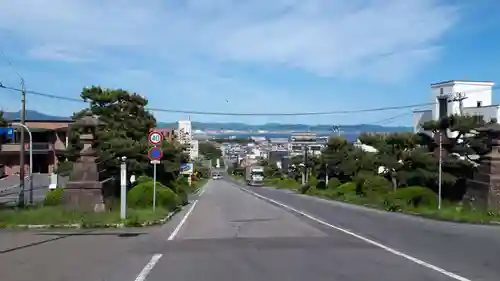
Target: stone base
pixel 84 196
pixel 483 195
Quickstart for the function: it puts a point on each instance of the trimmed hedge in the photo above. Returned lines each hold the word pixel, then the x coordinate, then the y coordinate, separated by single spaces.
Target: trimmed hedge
pixel 413 196
pixel 141 196
pixel 53 197
pixel 333 183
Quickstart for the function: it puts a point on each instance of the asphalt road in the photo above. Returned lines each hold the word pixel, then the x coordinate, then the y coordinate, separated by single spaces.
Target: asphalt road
pixel 227 232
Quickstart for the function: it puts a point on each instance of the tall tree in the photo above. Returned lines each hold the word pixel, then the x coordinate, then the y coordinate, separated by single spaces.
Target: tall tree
pixel 463 148
pixel 126 130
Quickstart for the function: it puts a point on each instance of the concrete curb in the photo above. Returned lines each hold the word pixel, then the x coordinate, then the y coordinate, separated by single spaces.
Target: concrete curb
pixel 80 225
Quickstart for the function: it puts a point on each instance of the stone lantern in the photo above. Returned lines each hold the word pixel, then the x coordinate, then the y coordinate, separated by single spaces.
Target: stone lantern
pixel 484 188
pixel 84 190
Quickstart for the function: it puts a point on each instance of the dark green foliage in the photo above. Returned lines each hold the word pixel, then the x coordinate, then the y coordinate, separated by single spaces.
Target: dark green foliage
pixel 209 151
pixel 125 133
pixel 376 186
pixel 53 197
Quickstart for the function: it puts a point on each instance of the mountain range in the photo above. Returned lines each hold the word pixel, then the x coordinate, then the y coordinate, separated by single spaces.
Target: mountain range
pixel 204 126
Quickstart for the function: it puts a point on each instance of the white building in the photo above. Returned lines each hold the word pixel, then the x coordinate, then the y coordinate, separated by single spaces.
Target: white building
pixel 184 130
pixel 475 99
pixel 194 152
pixel 184 135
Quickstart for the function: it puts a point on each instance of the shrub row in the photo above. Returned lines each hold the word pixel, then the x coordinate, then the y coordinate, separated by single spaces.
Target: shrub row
pixel 369 189
pixel 141 195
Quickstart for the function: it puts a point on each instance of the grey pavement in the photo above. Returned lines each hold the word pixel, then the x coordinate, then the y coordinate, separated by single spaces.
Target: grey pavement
pixel 232 234
pixel 472 251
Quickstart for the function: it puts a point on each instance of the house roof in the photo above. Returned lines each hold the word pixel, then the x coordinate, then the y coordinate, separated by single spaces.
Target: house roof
pixel 470 82
pixel 41 125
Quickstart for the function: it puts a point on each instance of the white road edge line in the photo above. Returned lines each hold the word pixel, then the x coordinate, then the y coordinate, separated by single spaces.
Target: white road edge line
pixel 182 222
pixel 149 266
pixel 367 240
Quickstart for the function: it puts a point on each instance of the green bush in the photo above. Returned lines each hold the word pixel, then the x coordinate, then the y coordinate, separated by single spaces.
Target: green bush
pixel 53 197
pixel 304 189
pixel 334 183
pixel 142 179
pixel 288 183
pixel 376 186
pixel 313 181
pixel 346 189
pixel 414 196
pixel 141 196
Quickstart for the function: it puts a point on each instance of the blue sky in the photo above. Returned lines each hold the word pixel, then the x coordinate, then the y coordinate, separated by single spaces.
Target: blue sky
pixel 249 55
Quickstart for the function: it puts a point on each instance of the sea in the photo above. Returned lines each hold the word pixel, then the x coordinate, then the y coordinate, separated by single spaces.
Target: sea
pixel 349 137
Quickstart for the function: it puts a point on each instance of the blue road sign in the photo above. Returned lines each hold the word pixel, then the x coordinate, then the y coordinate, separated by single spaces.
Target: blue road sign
pixel 155 153
pixel 9 132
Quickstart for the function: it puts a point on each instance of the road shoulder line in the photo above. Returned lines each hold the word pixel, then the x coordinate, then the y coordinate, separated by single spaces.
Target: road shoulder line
pixel 367 240
pixel 182 222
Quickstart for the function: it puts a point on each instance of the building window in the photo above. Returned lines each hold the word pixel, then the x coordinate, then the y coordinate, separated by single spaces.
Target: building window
pixel 479 103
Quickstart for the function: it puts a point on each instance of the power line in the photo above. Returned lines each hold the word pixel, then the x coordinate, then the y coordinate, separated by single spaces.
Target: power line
pixel 232 113
pixel 2 54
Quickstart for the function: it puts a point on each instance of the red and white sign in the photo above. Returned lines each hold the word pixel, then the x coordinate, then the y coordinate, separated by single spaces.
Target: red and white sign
pixel 155 138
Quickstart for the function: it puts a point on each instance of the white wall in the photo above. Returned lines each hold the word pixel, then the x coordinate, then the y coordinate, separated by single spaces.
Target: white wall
pixel 194 152
pixel 419 118
pixel 473 91
pixel 185 134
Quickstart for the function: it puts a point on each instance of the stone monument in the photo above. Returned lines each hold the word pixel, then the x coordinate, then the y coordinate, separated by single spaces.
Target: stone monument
pixel 484 189
pixel 84 190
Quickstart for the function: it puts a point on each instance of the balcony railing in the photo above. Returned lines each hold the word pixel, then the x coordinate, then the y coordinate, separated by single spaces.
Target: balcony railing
pixel 16 147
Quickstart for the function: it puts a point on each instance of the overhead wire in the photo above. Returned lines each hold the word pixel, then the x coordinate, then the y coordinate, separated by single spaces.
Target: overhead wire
pixel 194 112
pixel 36 93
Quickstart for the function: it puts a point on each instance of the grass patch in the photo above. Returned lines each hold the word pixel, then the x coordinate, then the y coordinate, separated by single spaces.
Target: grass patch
pixel 55 215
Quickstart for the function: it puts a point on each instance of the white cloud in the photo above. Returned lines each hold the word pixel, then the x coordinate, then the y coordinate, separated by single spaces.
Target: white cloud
pixel 324 37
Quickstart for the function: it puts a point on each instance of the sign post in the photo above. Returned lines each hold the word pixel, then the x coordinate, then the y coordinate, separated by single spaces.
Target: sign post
pixel 155 154
pixel 123 188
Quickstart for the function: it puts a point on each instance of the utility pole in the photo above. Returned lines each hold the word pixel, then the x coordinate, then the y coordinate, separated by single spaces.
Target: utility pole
pixel 21 157
pixel 459 96
pixel 306 167
pixel 443 105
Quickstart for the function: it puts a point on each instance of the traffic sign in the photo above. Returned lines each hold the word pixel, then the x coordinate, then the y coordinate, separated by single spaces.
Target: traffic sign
pixel 155 138
pixel 155 153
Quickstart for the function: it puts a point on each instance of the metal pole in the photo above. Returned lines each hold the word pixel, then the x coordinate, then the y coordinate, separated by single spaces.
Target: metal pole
pixel 123 188
pixel 326 174
pixel 21 156
pixel 154 186
pixel 439 168
pixel 30 175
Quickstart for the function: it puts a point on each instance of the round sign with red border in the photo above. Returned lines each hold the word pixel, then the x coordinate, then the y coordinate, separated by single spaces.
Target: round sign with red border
pixel 155 153
pixel 155 138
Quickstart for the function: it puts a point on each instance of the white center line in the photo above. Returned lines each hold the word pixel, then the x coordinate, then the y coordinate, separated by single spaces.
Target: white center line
pixel 367 240
pixel 149 266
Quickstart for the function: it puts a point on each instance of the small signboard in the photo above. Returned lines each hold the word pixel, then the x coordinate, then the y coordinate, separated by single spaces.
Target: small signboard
pixel 154 162
pixel 155 138
pixel 155 154
pixel 187 169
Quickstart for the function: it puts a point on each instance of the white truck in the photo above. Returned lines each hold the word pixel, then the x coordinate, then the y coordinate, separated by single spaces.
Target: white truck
pixel 254 175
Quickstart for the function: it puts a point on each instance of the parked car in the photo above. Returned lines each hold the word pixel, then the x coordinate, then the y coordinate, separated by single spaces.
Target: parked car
pixel 216 177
